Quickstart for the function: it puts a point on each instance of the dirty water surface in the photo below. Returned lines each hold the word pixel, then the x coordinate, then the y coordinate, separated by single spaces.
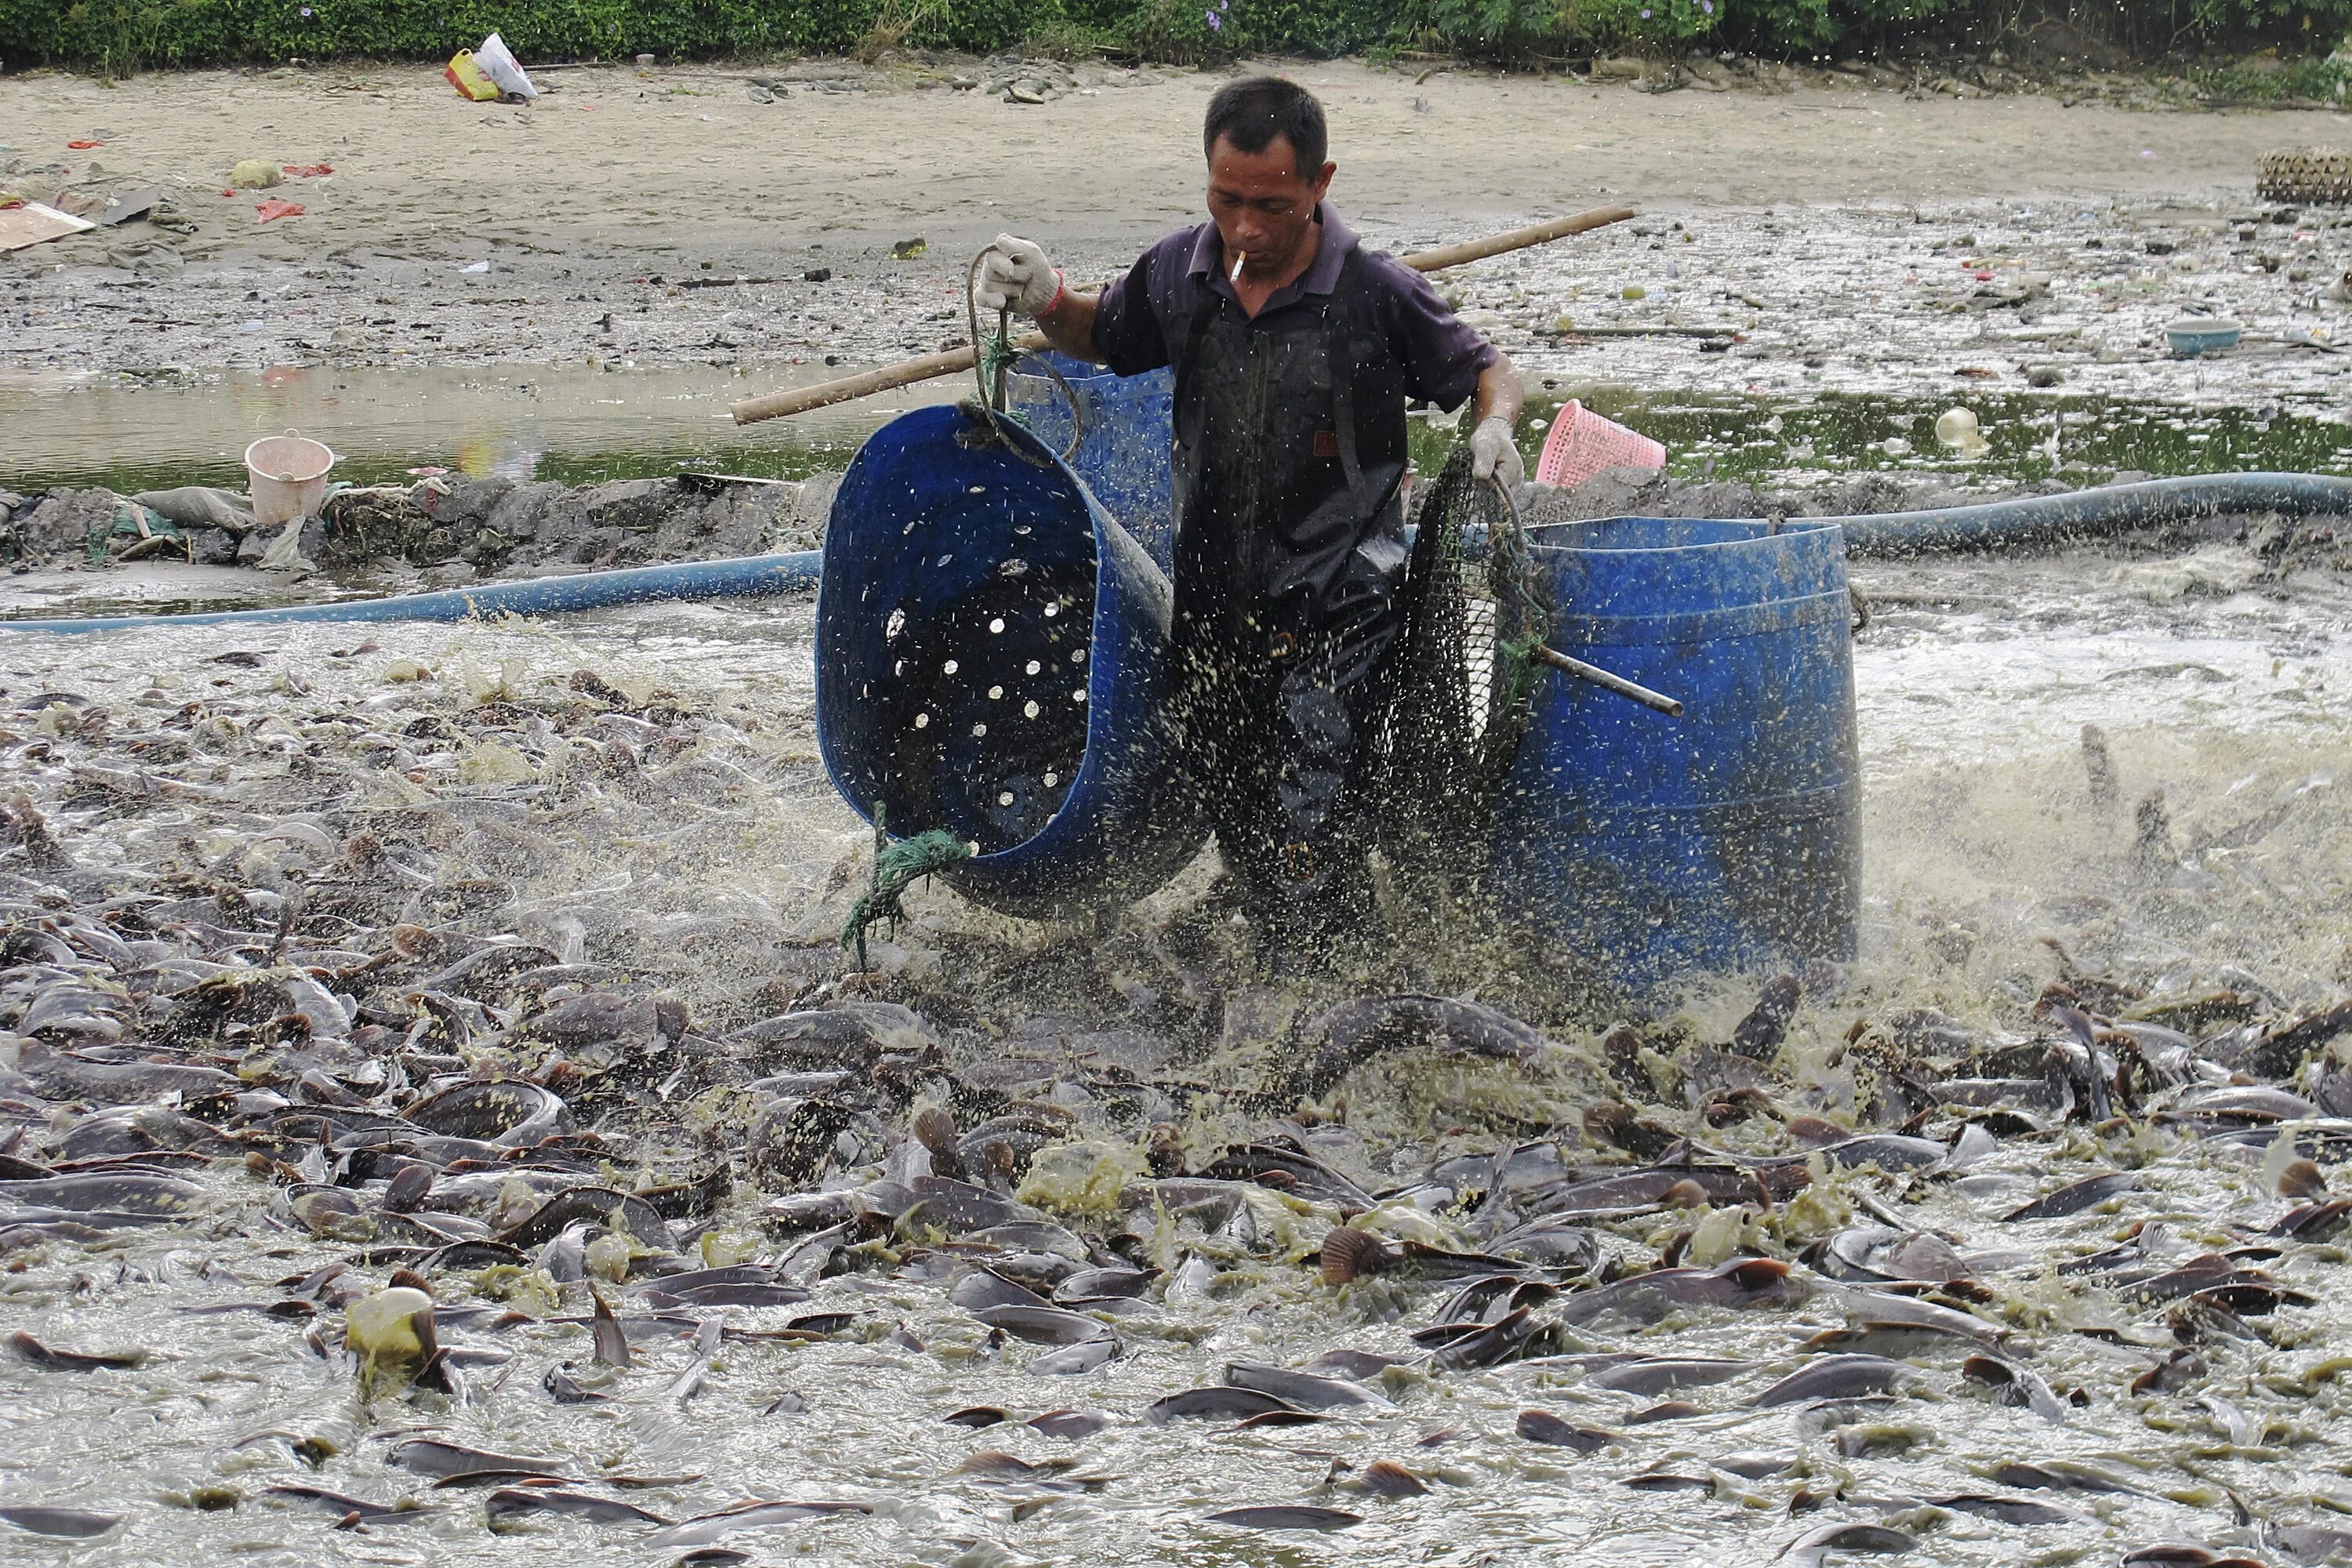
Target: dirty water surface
pixel 630 804
pixel 573 423
pixel 579 425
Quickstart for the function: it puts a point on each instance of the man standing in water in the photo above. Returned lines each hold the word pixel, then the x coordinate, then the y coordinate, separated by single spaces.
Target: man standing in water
pixel 1295 351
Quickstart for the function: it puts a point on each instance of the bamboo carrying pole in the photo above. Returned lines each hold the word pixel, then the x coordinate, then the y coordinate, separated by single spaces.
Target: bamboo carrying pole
pixel 948 362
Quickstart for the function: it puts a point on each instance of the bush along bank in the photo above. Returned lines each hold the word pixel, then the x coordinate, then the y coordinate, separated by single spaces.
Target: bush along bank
pixel 118 37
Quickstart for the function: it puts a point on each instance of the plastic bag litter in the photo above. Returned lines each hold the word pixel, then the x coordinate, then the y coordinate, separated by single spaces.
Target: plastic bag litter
pixel 1958 429
pixel 152 530
pixel 200 506
pixel 284 551
pixel 503 68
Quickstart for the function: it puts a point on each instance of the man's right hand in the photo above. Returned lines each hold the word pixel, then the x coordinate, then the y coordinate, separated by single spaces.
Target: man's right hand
pixel 1015 276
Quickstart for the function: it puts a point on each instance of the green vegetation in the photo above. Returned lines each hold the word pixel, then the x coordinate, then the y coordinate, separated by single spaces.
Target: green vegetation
pixel 116 36
pixel 2261 81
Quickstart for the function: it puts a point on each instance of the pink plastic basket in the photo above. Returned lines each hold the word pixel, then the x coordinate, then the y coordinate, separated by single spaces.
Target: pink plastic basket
pixel 1582 444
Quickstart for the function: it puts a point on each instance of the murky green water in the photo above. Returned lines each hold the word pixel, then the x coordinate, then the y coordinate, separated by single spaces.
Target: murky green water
pixel 571 423
pixel 578 425
pixel 2028 436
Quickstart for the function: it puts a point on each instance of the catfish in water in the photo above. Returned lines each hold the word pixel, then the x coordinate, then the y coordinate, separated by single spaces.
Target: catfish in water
pixel 502 1508
pixel 1353 1033
pixel 1835 1377
pixel 1228 1403
pixel 1543 1426
pixel 27 1348
pixel 2075 1198
pixel 72 1524
pixel 1301 1390
pixel 1292 1517
pixel 1757 1036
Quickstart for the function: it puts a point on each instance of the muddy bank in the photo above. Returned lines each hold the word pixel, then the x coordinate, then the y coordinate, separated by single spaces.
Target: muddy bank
pixel 450 531
pixel 669 219
pixel 454 529
pixel 2068 297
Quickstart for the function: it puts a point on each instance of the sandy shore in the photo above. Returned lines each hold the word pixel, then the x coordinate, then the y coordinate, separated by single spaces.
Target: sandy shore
pixel 679 161
pixel 615 215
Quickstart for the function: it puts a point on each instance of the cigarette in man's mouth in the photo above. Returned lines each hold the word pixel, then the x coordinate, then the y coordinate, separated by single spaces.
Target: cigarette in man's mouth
pixel 1236 275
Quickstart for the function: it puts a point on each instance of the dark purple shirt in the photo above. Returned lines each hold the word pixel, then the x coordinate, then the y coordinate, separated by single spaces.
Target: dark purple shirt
pixel 1442 358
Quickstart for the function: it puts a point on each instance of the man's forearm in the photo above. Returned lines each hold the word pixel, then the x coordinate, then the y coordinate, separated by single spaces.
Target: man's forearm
pixel 1500 395
pixel 1069 326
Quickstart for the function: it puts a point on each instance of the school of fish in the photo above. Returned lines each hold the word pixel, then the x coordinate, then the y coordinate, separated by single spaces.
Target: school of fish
pixel 400 1160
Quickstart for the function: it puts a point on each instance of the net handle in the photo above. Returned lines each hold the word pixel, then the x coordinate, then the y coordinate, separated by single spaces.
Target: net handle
pixel 991 359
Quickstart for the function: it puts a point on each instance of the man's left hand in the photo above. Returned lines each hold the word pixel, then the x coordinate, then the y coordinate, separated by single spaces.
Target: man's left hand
pixel 1495 454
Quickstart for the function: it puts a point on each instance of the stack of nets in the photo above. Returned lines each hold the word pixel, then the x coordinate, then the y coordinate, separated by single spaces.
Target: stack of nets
pixel 2305 175
pixel 1461 680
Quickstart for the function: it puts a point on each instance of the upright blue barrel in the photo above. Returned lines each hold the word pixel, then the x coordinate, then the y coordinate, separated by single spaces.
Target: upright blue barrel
pixel 1124 445
pixel 992 649
pixel 1729 837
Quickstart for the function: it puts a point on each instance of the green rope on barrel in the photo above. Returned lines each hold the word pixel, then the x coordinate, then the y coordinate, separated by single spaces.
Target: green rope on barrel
pixel 896 867
pixel 991 358
pixel 997 355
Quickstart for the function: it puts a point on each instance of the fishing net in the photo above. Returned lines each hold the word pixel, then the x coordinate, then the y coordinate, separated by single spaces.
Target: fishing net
pixel 1461 681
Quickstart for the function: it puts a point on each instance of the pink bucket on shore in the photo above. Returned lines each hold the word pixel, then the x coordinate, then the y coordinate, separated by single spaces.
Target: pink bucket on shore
pixel 288 478
pixel 1582 443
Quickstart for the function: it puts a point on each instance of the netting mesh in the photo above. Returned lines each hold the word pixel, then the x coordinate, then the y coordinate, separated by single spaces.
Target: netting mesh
pixel 1461 681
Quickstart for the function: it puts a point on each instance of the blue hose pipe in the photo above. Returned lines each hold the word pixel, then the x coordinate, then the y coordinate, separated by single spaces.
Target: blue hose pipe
pixel 2089 515
pixel 744 576
pixel 2076 515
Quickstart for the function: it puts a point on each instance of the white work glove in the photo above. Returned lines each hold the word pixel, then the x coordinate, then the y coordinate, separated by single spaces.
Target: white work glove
pixel 1015 276
pixel 1494 455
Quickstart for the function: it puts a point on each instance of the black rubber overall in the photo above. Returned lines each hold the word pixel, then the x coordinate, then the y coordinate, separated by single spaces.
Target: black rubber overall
pixel 1291 550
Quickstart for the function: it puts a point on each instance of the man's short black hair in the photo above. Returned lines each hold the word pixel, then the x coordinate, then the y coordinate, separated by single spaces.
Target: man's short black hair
pixel 1251 113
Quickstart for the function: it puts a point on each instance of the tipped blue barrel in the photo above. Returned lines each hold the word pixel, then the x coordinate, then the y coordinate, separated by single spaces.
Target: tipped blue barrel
pixel 1729 837
pixel 992 649
pixel 1124 442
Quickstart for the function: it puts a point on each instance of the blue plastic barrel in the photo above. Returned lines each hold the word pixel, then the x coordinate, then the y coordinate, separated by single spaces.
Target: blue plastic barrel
pixel 1729 837
pixel 991 652
pixel 1123 451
